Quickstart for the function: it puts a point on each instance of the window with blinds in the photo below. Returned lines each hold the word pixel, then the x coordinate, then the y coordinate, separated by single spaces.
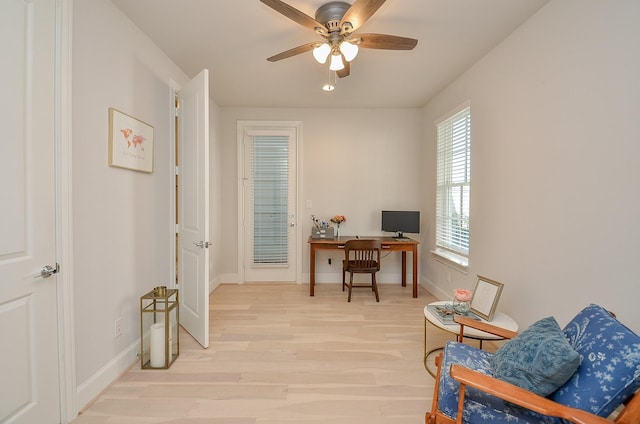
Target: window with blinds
pixel 270 176
pixel 453 185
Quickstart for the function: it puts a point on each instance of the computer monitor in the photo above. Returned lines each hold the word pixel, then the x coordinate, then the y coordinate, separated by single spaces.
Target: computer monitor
pixel 401 222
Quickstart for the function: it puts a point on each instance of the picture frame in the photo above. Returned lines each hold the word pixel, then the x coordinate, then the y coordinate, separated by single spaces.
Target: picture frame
pixel 486 294
pixel 130 142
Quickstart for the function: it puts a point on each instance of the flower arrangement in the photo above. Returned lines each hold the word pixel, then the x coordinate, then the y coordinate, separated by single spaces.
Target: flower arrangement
pixel 461 299
pixel 462 295
pixel 338 219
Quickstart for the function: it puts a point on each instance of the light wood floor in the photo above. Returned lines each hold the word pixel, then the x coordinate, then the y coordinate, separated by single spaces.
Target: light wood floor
pixel 277 355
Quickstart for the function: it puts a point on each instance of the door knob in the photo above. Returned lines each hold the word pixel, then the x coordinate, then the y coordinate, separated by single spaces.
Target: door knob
pixel 47 271
pixel 203 244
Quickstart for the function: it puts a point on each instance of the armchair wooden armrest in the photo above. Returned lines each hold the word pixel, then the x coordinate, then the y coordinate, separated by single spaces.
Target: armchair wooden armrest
pixel 483 326
pixel 518 396
pixel 631 412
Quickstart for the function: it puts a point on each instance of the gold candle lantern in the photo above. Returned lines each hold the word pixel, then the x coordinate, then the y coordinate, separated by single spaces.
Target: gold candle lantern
pixel 160 344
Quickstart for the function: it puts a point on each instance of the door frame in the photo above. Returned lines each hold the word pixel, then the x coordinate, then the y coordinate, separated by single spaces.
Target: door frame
pixel 241 126
pixel 174 88
pixel 64 210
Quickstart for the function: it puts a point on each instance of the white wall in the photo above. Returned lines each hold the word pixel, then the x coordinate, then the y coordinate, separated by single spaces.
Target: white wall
pixel 353 162
pixel 122 218
pixel 555 200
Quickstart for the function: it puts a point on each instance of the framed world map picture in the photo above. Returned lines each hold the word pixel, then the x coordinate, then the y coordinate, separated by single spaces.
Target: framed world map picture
pixel 130 142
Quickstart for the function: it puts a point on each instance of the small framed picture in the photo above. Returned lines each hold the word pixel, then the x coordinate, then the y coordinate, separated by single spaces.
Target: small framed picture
pixel 486 294
pixel 130 142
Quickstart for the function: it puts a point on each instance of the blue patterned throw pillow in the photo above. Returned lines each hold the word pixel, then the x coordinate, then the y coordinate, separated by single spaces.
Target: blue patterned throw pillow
pixel 610 369
pixel 540 359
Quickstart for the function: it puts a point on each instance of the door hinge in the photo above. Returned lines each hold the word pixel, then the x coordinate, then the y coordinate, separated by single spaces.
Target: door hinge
pixel 177 228
pixel 177 170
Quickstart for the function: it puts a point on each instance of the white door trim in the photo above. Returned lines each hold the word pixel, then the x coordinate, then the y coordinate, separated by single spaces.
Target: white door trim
pixel 173 225
pixel 241 125
pixel 64 210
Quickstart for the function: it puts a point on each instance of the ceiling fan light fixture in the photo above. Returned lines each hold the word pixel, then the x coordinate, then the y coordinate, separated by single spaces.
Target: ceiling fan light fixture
pixel 328 87
pixel 349 50
pixel 336 62
pixel 321 53
pixel 331 84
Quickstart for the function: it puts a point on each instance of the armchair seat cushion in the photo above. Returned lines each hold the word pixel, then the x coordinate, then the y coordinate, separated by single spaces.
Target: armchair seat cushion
pixel 479 407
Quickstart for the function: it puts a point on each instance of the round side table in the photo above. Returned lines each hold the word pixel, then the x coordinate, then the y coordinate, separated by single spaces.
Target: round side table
pixel 499 320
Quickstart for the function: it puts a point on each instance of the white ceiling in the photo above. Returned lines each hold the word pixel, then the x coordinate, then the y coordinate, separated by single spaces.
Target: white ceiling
pixel 233 38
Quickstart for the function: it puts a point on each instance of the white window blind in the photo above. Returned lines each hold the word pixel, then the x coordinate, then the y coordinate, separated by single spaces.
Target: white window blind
pixel 454 182
pixel 270 176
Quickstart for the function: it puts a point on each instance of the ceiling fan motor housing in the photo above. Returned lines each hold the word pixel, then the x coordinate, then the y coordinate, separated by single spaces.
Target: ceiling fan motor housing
pixel 331 14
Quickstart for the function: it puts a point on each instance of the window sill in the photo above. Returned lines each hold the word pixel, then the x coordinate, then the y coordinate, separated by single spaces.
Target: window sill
pixel 458 262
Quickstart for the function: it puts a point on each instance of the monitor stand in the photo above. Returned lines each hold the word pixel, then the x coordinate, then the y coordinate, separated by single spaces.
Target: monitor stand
pixel 400 237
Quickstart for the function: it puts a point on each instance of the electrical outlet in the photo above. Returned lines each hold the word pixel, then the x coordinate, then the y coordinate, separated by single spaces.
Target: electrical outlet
pixel 117 328
pixel 329 261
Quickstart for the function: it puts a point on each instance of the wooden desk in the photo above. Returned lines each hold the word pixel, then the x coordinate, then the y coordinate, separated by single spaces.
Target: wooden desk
pixel 388 244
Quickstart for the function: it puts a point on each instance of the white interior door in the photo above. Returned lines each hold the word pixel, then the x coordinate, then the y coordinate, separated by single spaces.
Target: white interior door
pixel 29 386
pixel 193 207
pixel 270 199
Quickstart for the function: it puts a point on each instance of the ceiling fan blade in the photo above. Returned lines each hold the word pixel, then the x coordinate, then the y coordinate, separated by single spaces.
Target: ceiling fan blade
pixel 296 15
pixel 293 52
pixel 345 71
pixel 387 42
pixel 359 13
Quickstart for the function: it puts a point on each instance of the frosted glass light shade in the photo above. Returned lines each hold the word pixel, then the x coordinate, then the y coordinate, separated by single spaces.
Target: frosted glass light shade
pixel 321 52
pixel 336 62
pixel 350 51
pixel 328 87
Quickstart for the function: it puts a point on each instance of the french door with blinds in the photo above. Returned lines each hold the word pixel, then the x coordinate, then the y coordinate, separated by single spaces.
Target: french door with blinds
pixel 269 203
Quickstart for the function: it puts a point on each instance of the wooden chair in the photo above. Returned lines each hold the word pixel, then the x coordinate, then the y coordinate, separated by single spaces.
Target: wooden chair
pixel 361 257
pixel 604 389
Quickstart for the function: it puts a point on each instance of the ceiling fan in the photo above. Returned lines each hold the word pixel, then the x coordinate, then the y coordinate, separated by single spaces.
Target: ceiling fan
pixel 336 22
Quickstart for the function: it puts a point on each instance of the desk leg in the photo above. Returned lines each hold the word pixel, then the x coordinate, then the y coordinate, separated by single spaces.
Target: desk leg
pixel 404 268
pixel 312 269
pixel 414 253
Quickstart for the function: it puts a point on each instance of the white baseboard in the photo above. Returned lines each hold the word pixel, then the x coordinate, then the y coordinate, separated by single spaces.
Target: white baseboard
pixel 97 383
pixel 434 290
pixel 213 284
pixel 229 278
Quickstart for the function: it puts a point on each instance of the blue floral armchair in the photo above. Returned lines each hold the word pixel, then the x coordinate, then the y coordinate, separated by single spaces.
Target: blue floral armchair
pixel 588 372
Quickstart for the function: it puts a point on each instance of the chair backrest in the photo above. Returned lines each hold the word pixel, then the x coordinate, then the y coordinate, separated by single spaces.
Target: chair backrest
pixel 610 370
pixel 362 254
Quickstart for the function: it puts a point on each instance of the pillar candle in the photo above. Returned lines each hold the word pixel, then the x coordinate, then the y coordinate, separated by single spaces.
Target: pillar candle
pixel 170 340
pixel 157 345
